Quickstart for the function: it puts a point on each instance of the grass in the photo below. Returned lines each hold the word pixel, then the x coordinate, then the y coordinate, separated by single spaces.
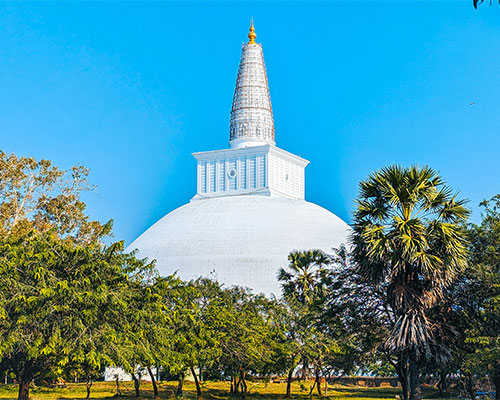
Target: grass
pixel 211 390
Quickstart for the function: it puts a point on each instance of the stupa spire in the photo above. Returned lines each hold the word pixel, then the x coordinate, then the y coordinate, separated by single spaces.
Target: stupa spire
pixel 251 122
pixel 252 35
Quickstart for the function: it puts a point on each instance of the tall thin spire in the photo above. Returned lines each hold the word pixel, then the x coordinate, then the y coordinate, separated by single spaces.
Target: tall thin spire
pixel 251 122
pixel 252 35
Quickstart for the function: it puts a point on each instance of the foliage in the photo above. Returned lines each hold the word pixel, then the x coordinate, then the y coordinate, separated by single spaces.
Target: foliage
pixel 307 291
pixel 476 2
pixel 38 195
pixel 399 299
pixel 407 238
pixel 477 299
pixel 60 304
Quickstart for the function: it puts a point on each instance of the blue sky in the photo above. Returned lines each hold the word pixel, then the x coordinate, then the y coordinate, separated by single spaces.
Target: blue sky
pixel 130 90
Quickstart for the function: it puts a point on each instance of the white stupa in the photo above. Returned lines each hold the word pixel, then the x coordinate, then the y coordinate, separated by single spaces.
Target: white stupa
pixel 249 211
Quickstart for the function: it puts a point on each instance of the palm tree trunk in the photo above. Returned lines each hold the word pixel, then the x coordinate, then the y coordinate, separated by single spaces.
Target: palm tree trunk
pixel 401 367
pixel 443 383
pixel 415 389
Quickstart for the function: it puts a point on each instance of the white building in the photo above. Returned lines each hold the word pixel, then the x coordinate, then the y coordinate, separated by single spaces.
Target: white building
pixel 249 210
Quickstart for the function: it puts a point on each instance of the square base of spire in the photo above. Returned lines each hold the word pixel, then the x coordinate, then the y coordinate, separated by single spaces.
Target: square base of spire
pixel 260 170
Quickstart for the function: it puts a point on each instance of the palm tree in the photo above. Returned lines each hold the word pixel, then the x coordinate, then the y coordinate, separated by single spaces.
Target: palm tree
pixel 305 289
pixel 407 238
pixel 306 277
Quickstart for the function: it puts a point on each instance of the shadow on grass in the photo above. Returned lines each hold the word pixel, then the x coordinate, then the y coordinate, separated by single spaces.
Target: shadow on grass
pixel 211 390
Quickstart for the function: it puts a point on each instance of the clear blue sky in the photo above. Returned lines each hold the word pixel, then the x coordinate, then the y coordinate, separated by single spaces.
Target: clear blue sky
pixel 130 90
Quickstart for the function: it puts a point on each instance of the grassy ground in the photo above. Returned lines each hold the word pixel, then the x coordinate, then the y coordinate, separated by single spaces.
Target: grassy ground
pixel 211 390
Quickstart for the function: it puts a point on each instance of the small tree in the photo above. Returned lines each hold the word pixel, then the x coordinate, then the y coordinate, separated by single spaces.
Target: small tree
pixel 306 290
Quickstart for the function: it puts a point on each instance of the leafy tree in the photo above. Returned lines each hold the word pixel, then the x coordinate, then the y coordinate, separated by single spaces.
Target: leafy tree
pixel 145 333
pixel 407 239
pixel 206 331
pixel 246 335
pixel 63 292
pixel 38 195
pixel 60 304
pixel 477 302
pixel 367 320
pixel 306 286
pixel 187 329
pixel 284 344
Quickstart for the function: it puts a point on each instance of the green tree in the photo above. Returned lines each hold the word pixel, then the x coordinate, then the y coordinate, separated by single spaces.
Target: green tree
pixel 284 344
pixel 145 333
pixel 367 319
pixel 38 195
pixel 63 292
pixel 306 289
pixel 476 297
pixel 247 333
pixel 60 304
pixel 407 237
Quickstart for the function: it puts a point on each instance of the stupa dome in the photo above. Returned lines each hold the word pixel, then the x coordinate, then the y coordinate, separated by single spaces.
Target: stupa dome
pixel 249 211
pixel 239 240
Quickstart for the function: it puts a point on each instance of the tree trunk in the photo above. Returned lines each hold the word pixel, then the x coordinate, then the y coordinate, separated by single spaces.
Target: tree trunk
pixel 312 388
pixel 137 384
pixel 237 382
pixel 231 390
pixel 180 385
pixel 467 382
pixel 496 383
pixel 401 368
pixel 318 380
pixel 24 389
pixel 415 390
pixel 118 391
pixel 89 383
pixel 197 383
pixel 289 383
pixel 443 384
pixel 153 382
pixel 243 383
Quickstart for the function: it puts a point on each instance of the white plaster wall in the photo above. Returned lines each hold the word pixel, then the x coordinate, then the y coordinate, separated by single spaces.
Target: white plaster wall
pixel 240 240
pixel 286 176
pixel 111 373
pixel 241 172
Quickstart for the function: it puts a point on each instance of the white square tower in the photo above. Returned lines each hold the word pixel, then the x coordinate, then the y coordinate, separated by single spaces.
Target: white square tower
pixel 262 170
